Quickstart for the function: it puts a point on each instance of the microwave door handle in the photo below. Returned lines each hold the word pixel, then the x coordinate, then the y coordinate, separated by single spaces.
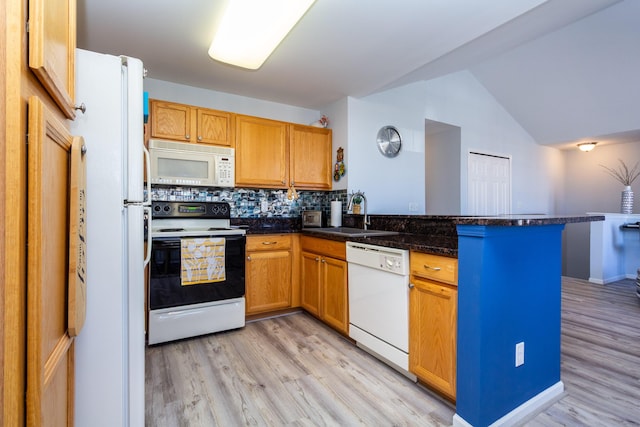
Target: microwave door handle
pixel 147 165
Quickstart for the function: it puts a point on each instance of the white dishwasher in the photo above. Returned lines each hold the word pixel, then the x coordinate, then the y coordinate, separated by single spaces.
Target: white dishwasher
pixel 379 302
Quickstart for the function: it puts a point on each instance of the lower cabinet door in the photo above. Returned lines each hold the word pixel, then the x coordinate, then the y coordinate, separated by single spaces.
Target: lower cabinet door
pixel 310 285
pixel 268 281
pixel 335 311
pixel 432 337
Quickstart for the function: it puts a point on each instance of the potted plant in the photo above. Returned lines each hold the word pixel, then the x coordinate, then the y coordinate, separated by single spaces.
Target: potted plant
pixel 625 176
pixel 357 200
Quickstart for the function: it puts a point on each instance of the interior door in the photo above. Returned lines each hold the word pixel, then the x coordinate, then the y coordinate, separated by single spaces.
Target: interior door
pixel 50 344
pixel 489 185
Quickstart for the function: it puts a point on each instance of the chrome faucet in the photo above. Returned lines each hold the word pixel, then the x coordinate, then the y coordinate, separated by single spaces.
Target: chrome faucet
pixel 364 200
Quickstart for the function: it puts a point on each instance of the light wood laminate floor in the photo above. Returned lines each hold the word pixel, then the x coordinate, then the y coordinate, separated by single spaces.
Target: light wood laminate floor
pixel 294 371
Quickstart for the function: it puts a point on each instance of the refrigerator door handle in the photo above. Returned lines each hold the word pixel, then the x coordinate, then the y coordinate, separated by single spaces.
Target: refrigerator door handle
pixel 147 165
pixel 147 257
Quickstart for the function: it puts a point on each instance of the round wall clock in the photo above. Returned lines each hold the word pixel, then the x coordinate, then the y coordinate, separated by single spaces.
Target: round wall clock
pixel 389 141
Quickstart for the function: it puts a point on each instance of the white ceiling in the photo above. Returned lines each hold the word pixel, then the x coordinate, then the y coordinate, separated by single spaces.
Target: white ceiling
pixel 340 47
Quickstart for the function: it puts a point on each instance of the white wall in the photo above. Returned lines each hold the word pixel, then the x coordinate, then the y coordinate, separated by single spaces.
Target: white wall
pixel 390 184
pixel 442 168
pixel 459 100
pixel 577 81
pixel 168 91
pixel 338 114
pixel 588 188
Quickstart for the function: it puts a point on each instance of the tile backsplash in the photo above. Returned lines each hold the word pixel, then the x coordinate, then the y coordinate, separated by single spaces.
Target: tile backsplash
pixel 255 203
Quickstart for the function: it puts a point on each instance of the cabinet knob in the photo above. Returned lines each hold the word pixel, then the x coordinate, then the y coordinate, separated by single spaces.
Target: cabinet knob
pixel 317 259
pixel 432 268
pixel 411 286
pixel 248 258
pixel 323 260
pixel 187 137
pixel 199 137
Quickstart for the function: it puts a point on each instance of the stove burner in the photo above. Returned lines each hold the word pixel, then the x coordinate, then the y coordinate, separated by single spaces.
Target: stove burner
pixel 170 230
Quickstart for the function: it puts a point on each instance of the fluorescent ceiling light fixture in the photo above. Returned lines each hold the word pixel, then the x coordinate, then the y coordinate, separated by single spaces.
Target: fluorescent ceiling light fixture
pixel 587 146
pixel 250 30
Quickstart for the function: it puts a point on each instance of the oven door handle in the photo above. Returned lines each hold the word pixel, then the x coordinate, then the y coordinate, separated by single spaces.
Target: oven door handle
pixel 147 257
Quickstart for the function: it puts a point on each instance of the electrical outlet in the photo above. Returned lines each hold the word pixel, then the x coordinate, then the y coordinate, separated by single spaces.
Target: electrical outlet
pixel 413 207
pixel 520 354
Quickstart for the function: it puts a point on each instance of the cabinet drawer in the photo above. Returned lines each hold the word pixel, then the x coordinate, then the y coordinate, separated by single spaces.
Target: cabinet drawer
pixel 326 247
pixel 268 242
pixel 435 267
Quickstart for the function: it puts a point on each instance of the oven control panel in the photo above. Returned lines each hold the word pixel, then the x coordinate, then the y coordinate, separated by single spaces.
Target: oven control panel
pixel 207 210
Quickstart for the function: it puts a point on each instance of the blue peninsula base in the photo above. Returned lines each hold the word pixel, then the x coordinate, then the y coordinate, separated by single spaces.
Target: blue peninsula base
pixel 509 292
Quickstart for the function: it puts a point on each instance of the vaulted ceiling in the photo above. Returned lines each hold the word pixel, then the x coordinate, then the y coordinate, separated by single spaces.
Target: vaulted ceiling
pixel 557 66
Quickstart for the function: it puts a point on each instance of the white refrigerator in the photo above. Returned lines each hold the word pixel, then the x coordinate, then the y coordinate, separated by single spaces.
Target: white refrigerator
pixel 109 353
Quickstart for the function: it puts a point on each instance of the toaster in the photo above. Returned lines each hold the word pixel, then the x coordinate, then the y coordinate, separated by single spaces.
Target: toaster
pixel 311 219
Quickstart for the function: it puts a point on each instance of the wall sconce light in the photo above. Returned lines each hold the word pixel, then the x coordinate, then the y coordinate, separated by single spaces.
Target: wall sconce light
pixel 587 146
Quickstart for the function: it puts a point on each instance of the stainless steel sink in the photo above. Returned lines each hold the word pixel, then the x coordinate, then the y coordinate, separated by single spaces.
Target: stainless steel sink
pixel 352 232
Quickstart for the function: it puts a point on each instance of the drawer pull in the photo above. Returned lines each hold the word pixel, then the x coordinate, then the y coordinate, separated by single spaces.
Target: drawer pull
pixel 432 268
pixel 269 243
pixel 411 286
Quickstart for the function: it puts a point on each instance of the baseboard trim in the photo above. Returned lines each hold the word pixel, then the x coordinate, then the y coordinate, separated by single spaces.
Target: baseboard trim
pixel 531 406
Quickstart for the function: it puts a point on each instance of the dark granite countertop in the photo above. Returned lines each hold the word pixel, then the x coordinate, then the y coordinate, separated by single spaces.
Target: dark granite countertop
pixel 438 245
pixel 434 234
pixel 525 220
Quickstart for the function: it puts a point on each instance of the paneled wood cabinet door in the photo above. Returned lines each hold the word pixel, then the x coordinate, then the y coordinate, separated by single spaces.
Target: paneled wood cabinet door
pixel 310 292
pixel 170 121
pixel 50 345
pixel 261 153
pixel 214 127
pixel 335 298
pixel 268 273
pixel 52 49
pixel 310 157
pixel 186 123
pixel 433 334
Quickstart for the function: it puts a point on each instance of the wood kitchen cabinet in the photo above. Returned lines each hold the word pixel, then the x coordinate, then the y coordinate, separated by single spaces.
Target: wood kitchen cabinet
pixel 433 313
pixel 268 270
pixel 324 289
pixel 275 154
pixel 52 46
pixel 186 123
pixel 310 157
pixel 261 152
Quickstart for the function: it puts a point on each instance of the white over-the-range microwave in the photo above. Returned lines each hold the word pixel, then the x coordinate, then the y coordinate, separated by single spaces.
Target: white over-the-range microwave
pixel 176 163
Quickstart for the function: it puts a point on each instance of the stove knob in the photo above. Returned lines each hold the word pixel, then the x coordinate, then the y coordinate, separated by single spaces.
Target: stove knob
pixel 166 208
pixel 157 208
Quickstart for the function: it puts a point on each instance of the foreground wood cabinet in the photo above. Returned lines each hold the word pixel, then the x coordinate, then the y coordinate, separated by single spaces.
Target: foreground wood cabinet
pixel 324 290
pixel 268 270
pixel 52 49
pixel 433 313
pixel 185 123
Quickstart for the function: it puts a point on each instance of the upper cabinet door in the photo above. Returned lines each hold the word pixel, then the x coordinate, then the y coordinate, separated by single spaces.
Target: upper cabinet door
pixel 214 127
pixel 310 157
pixel 52 45
pixel 261 153
pixel 170 121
